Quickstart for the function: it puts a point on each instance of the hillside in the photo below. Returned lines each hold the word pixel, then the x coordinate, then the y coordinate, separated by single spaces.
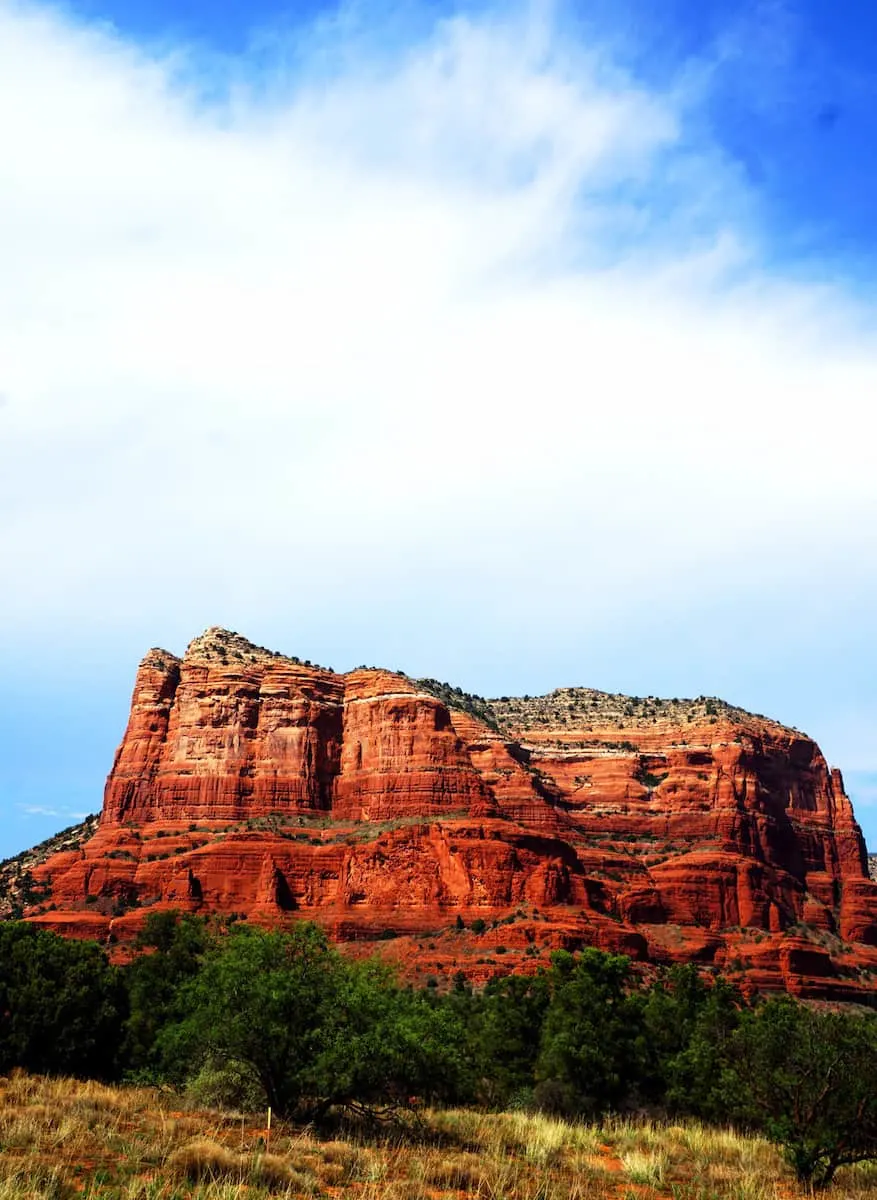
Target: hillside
pixel 457 833
pixel 18 889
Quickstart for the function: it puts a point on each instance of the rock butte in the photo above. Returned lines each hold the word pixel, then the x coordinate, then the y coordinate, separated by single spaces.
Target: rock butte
pixel 390 810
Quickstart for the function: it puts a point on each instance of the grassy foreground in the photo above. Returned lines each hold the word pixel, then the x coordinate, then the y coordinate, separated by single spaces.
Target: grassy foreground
pixel 62 1138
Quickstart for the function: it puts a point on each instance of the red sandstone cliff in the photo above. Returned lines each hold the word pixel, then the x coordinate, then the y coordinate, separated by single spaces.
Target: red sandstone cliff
pixel 387 808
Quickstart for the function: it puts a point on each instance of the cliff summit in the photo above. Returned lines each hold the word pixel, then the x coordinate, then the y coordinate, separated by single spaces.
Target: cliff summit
pixel 458 833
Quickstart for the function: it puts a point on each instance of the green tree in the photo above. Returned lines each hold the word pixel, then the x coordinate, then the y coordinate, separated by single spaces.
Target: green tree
pixel 591 1036
pixel 315 1029
pixel 670 1010
pixel 807 1079
pixel 381 1046
pixel 260 999
pixel 699 1077
pixel 505 1035
pixel 61 1004
pixel 171 947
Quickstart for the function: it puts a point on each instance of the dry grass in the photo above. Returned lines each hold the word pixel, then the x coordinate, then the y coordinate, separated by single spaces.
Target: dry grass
pixel 646 1167
pixel 205 1160
pixel 62 1140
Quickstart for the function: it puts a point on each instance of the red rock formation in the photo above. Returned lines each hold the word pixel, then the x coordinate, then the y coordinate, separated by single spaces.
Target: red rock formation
pixel 386 808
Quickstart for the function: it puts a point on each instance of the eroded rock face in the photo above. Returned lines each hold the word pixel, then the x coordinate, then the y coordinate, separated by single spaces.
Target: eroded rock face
pixel 391 810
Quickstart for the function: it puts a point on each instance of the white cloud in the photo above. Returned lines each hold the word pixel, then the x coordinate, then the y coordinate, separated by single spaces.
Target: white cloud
pixel 474 317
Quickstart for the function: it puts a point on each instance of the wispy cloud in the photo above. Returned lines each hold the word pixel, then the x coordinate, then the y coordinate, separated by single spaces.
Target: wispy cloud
pixel 44 810
pixel 466 315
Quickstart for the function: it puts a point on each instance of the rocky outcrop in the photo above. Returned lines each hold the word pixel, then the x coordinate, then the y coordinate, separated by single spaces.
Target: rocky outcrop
pixel 464 834
pixel 19 891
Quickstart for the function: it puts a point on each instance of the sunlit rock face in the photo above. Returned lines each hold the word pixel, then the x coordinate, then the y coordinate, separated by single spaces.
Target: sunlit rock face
pixel 394 811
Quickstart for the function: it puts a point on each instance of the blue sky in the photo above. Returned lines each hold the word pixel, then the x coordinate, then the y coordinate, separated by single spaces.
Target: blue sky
pixel 523 346
pixel 790 99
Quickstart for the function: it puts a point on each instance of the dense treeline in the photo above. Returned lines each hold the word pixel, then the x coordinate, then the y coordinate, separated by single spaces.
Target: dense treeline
pixel 247 1017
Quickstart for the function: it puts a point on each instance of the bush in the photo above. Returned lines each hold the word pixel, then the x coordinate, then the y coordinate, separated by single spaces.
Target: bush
pixel 258 999
pixel 589 1049
pixel 226 1085
pixel 153 982
pixel 314 1029
pixel 807 1080
pixel 61 1004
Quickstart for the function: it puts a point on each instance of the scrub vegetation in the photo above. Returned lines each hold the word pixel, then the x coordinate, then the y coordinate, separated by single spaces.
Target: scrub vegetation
pixel 536 1086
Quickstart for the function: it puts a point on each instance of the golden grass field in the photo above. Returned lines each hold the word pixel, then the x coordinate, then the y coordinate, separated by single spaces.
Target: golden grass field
pixel 62 1138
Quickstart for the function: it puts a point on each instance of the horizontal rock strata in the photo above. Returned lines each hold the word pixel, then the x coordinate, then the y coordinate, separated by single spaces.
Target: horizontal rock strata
pixel 459 834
